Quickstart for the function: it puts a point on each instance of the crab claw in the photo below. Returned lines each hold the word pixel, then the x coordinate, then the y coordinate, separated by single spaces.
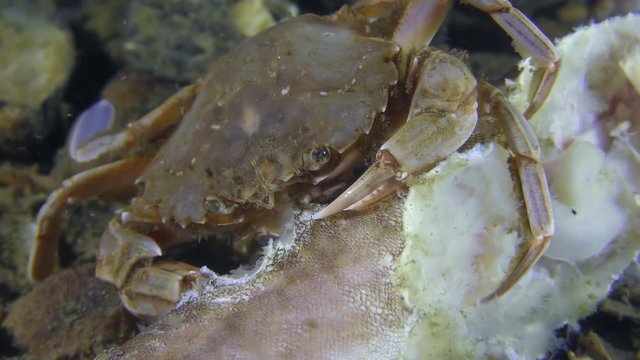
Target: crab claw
pixel 381 172
pixel 441 118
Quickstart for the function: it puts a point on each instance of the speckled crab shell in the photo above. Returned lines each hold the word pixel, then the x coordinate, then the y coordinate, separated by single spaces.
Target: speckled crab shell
pixel 319 82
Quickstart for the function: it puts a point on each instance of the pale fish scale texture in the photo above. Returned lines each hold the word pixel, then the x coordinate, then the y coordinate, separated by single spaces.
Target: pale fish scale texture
pixel 339 302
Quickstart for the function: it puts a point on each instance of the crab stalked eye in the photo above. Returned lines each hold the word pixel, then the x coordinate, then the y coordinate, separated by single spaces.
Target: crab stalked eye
pixel 316 157
pixel 214 205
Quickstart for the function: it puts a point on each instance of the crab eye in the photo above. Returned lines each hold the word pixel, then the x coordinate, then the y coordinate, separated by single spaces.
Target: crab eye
pixel 316 157
pixel 213 205
pixel 321 154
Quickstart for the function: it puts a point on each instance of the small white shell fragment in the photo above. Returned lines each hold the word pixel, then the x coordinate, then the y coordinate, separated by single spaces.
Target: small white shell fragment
pixel 91 122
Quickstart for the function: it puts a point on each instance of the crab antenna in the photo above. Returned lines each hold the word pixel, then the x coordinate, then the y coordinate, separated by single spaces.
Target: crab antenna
pixel 419 23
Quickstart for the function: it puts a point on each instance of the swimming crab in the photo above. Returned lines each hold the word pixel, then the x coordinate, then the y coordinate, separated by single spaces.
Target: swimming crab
pixel 296 107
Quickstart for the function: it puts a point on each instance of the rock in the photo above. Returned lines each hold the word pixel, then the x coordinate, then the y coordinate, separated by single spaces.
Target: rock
pixel 180 40
pixel 71 315
pixel 36 58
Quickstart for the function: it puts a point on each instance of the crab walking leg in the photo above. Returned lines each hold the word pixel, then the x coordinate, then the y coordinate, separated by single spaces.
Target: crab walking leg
pixel 524 144
pixel 419 23
pixel 529 41
pixel 98 181
pixel 147 127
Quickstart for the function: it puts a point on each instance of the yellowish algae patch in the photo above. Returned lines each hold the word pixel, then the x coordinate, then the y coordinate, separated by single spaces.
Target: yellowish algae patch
pixel 253 16
pixel 462 218
pixel 35 59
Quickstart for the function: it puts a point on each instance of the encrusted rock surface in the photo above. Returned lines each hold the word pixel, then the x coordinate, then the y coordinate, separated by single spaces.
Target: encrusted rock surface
pixel 71 315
